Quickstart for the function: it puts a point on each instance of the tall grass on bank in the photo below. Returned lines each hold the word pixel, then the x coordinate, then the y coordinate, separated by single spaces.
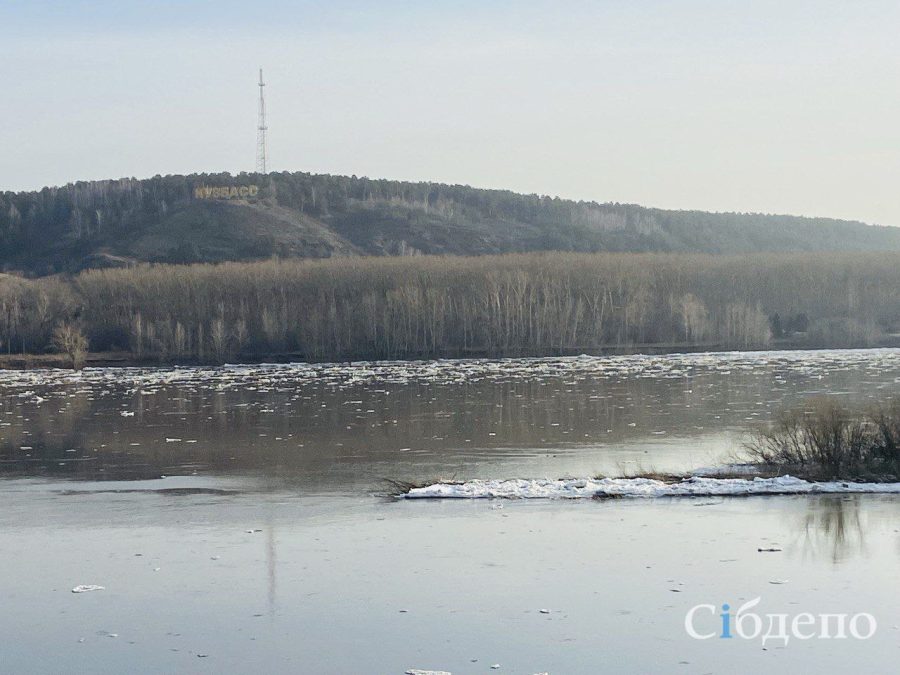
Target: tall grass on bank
pixel 826 440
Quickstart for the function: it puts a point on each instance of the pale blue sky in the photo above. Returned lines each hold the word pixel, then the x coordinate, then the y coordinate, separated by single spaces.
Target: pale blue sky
pixel 787 107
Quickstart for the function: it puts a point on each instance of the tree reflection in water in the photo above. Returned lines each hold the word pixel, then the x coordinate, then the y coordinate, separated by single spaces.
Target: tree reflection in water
pixel 832 526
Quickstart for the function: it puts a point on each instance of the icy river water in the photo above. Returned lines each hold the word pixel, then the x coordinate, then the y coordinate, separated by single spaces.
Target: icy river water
pixel 237 519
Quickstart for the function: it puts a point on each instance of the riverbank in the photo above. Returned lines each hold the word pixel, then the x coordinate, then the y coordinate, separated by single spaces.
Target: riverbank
pixel 491 306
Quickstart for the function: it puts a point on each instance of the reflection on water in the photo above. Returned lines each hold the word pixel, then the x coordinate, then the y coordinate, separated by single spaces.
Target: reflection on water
pixel 832 528
pixel 344 427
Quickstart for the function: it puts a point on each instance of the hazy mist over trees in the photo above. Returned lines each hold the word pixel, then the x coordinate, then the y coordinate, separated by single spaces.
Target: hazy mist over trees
pixel 449 306
pixel 117 223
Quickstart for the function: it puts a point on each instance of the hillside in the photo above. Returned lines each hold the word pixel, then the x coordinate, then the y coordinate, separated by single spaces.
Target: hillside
pixel 173 219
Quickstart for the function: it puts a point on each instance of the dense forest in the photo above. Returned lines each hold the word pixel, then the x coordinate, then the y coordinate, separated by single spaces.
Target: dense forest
pixel 544 303
pixel 121 222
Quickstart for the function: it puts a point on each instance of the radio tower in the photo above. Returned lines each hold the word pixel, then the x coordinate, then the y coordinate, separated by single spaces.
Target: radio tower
pixel 261 145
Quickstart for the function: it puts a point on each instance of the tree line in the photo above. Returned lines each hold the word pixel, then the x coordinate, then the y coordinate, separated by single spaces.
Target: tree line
pixel 92 223
pixel 539 304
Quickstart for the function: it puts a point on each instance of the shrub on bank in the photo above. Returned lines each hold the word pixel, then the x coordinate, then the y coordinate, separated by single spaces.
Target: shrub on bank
pixel 826 440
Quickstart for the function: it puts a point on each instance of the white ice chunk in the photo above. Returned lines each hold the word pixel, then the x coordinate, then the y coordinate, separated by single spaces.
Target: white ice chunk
pixel 87 588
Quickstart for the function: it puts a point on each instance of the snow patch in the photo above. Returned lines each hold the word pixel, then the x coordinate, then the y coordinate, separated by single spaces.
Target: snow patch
pixel 695 486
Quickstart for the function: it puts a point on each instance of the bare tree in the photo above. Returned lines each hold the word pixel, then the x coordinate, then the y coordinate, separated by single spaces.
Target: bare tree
pixel 69 340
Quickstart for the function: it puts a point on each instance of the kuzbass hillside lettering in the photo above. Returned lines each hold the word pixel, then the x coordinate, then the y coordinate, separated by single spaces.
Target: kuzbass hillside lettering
pixel 233 192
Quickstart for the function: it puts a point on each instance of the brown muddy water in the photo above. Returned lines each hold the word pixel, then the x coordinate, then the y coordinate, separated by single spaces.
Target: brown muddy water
pixel 236 519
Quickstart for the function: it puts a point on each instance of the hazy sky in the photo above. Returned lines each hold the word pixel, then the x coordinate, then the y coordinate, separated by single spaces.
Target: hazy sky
pixel 778 107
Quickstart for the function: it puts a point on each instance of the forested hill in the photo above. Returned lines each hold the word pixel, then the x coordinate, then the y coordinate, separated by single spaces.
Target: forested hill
pixel 184 219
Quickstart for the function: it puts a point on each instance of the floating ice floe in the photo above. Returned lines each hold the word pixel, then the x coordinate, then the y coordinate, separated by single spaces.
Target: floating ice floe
pixel 87 588
pixel 695 486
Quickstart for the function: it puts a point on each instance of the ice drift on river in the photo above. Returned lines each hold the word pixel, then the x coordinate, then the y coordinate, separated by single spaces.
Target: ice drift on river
pixel 695 486
pixel 87 588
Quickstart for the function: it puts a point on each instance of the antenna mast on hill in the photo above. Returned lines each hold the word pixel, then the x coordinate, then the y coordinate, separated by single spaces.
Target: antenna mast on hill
pixel 261 145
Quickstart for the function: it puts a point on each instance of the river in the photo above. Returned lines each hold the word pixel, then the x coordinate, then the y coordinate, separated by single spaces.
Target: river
pixel 238 518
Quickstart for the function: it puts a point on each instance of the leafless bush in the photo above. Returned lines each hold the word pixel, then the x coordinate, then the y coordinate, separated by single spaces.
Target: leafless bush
pixel 825 439
pixel 886 419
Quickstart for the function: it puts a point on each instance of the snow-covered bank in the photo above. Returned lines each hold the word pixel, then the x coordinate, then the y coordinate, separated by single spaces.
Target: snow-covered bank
pixel 695 486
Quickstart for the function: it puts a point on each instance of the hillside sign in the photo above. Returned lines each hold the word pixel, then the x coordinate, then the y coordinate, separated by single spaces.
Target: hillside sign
pixel 225 192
